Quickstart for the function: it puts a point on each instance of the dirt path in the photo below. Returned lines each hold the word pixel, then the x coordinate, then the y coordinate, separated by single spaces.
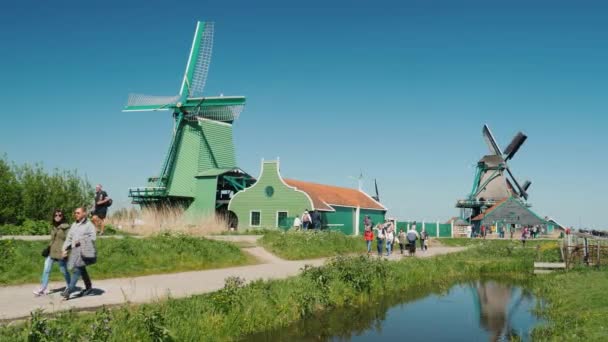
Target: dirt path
pixel 17 302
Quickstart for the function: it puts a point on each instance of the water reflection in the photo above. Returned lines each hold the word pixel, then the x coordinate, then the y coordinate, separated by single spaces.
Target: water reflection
pixel 480 311
pixel 497 303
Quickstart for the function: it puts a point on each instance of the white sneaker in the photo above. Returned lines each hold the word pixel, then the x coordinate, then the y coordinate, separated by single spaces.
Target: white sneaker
pixel 40 292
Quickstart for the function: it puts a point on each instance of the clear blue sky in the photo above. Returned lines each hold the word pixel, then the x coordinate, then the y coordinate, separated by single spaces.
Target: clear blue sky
pixel 399 90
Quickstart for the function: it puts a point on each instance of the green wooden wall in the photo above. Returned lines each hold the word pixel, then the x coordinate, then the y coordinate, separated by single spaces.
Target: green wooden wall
pixel 377 216
pixel 340 220
pixel 284 198
pixel 202 145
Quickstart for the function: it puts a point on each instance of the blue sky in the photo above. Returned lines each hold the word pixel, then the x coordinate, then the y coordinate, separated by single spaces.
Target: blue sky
pixel 399 90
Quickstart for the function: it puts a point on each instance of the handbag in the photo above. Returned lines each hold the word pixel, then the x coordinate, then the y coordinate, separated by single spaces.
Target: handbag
pixel 45 252
pixel 88 252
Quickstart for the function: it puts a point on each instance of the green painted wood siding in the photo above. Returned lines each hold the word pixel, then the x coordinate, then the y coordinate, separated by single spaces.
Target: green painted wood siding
pixel 377 216
pixel 202 145
pixel 204 199
pixel 217 148
pixel 343 216
pixel 255 198
pixel 185 166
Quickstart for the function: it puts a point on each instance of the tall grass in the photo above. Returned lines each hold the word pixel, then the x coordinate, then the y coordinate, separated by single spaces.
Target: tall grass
pixel 152 221
pixel 297 245
pixel 21 261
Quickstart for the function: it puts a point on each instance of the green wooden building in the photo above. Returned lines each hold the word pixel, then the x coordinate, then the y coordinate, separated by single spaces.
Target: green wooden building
pixel 274 202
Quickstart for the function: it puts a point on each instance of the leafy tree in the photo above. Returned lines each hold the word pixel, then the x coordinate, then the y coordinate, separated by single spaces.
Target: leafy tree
pixel 31 193
pixel 10 190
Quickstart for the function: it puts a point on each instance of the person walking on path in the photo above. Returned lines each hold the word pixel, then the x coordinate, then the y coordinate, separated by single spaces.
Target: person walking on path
pixel 423 237
pixel 402 238
pixel 380 236
pixel 80 242
pixel 368 235
pixel 524 235
pixel 390 237
pixel 306 220
pixel 316 220
pixel 297 223
pixel 367 222
pixel 412 236
pixel 59 233
pixel 100 210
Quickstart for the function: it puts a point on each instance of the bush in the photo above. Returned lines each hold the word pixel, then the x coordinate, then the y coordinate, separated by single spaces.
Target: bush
pixel 29 192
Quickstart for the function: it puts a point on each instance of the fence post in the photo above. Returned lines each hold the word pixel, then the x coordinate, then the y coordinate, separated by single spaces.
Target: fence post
pixel 598 253
pixel 437 229
pixel 422 226
pixel 452 228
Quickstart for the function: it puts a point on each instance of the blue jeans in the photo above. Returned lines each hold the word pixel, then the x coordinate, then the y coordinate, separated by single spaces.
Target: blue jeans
pixel 389 247
pixel 369 246
pixel 48 265
pixel 379 247
pixel 76 273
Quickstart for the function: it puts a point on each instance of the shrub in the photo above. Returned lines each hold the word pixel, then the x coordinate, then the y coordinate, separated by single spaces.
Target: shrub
pixel 30 192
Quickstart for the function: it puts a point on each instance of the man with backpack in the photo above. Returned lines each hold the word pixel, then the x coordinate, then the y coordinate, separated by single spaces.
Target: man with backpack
pixel 412 236
pixel 100 210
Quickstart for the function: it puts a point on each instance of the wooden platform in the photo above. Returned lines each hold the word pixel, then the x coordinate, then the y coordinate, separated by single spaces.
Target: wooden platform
pixel 548 267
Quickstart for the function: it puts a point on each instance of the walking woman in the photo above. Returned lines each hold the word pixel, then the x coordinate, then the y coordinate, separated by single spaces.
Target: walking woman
pixel 369 237
pixel 54 253
pixel 390 236
pixel 380 236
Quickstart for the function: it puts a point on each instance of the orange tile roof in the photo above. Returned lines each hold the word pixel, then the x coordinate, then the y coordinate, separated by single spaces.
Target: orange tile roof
pixel 324 195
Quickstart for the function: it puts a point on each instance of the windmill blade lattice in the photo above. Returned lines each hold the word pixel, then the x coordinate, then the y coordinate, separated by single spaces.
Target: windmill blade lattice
pixel 203 60
pixel 151 100
pixel 219 113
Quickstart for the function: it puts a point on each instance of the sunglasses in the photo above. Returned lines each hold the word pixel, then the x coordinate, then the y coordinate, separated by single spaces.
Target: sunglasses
pixel 58 215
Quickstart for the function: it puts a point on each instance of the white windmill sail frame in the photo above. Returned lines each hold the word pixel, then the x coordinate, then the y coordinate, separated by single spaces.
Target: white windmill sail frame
pixel 136 100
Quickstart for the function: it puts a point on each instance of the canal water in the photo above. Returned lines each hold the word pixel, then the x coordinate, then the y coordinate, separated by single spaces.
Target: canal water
pixel 480 311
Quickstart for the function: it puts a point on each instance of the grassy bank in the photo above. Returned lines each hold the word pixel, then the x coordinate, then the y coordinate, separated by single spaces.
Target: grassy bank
pixel 239 309
pixel 21 262
pixel 578 306
pixel 300 245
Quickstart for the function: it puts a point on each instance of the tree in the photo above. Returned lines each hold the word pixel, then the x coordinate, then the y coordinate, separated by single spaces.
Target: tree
pixel 10 194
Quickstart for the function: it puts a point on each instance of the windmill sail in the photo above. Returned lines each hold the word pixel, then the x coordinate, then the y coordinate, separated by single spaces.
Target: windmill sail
pixel 515 144
pixel 490 141
pixel 199 60
pixel 140 102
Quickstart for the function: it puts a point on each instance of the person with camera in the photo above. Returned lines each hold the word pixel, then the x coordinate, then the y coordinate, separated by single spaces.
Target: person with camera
pixel 100 210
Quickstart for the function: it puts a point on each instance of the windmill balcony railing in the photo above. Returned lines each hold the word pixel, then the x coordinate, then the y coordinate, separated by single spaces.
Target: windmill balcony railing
pixel 474 203
pixel 149 191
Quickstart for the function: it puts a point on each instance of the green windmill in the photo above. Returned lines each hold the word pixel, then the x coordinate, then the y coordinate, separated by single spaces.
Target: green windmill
pixel 199 172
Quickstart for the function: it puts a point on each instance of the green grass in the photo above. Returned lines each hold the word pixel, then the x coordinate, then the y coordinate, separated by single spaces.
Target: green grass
pixel 253 231
pixel 576 312
pixel 21 262
pixel 577 306
pixel 300 245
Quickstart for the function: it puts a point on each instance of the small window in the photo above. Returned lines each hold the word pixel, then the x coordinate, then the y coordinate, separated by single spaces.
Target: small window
pixel 254 219
pixel 282 219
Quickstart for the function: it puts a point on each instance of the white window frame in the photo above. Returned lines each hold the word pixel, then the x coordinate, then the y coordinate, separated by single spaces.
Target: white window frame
pixel 276 221
pixel 251 217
